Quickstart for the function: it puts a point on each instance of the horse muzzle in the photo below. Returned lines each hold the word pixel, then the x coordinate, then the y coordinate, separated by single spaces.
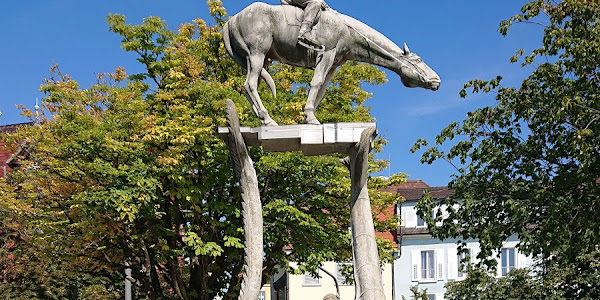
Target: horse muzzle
pixel 434 84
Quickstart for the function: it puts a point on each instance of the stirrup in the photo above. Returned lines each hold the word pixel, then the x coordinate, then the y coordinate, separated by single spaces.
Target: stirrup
pixel 310 44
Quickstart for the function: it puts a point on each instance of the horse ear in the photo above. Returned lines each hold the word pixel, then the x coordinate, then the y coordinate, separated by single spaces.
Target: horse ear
pixel 406 50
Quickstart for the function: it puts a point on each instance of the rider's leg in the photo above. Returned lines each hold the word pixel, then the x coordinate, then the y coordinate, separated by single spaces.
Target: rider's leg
pixel 311 16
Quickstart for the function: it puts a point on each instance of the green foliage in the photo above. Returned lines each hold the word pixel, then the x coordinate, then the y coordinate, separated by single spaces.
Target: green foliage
pixel 417 294
pixel 132 170
pixel 553 282
pixel 529 164
pixel 517 284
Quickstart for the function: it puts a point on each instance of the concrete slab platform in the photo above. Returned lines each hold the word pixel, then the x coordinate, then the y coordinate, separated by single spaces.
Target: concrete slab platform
pixel 310 139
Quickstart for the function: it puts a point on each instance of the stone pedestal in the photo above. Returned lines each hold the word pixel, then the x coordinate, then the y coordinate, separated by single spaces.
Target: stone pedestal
pixel 353 139
pixel 310 139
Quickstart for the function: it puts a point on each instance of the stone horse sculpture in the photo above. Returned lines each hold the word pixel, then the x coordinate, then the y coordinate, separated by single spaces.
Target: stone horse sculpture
pixel 261 32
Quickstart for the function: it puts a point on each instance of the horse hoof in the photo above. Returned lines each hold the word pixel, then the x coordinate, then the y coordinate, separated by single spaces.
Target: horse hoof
pixel 270 123
pixel 312 121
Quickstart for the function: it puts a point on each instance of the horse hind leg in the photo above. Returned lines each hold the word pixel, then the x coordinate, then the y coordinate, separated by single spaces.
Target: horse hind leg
pixel 255 66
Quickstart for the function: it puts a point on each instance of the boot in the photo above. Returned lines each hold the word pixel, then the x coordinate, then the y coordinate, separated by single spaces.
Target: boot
pixel 306 41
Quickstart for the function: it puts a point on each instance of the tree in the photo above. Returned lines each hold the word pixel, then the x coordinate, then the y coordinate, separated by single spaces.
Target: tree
pixel 530 163
pixel 132 170
pixel 417 294
pixel 517 284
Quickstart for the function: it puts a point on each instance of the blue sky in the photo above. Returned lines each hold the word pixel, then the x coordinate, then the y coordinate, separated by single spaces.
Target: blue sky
pixel 458 39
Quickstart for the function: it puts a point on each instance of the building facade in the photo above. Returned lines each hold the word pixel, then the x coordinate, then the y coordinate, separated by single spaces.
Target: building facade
pixel 430 263
pixel 286 286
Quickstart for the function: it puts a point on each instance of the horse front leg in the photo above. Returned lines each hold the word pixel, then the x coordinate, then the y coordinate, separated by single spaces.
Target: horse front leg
pixel 255 64
pixel 324 71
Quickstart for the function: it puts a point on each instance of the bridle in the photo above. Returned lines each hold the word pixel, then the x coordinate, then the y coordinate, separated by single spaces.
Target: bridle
pixel 412 67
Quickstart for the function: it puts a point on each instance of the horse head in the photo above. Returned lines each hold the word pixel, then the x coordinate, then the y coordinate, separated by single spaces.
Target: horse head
pixel 415 73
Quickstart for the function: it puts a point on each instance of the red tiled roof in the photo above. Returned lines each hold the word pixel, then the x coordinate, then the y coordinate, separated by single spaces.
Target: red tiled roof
pixel 413 190
pixel 12 127
pixel 388 235
pixel 408 185
pixel 5 154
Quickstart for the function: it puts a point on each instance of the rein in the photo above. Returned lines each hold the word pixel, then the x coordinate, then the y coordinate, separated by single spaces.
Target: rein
pixel 378 46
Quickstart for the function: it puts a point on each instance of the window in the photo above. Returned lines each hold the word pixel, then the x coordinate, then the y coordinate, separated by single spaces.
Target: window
pixel 309 280
pixel 427 264
pixel 262 296
pixel 456 261
pixel 430 296
pixel 420 222
pixel 460 258
pixel 280 294
pixel 507 260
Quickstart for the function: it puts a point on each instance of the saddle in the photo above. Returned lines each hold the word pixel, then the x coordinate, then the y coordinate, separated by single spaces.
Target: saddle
pixel 293 17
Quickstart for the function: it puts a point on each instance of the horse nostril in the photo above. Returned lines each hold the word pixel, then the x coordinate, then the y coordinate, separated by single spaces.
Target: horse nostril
pixel 435 85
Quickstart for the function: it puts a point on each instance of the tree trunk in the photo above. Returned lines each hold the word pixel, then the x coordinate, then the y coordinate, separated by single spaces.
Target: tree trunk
pixel 367 271
pixel 251 207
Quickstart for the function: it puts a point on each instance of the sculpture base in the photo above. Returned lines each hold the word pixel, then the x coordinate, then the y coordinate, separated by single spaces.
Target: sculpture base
pixel 310 139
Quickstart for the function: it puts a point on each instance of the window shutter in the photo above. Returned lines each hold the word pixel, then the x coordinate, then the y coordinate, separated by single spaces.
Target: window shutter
pixel 474 252
pixel 472 255
pixel 439 264
pixel 521 260
pixel 310 280
pixel 338 275
pixel 403 217
pixel 453 263
pixel 415 266
pixel 411 218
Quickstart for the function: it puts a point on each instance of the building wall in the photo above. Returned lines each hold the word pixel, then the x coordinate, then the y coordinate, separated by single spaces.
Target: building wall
pixel 299 290
pixel 408 267
pixel 265 292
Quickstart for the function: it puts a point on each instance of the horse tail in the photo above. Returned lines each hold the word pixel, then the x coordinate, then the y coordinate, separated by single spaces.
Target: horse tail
pixel 269 81
pixel 264 75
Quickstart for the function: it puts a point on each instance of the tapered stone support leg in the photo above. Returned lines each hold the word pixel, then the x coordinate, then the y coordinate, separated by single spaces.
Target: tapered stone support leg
pixel 251 205
pixel 367 273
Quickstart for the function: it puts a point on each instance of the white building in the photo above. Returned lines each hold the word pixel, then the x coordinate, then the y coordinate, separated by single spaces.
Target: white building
pixel 428 262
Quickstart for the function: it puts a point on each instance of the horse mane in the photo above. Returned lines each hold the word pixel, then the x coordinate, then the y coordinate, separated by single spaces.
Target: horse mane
pixel 364 30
